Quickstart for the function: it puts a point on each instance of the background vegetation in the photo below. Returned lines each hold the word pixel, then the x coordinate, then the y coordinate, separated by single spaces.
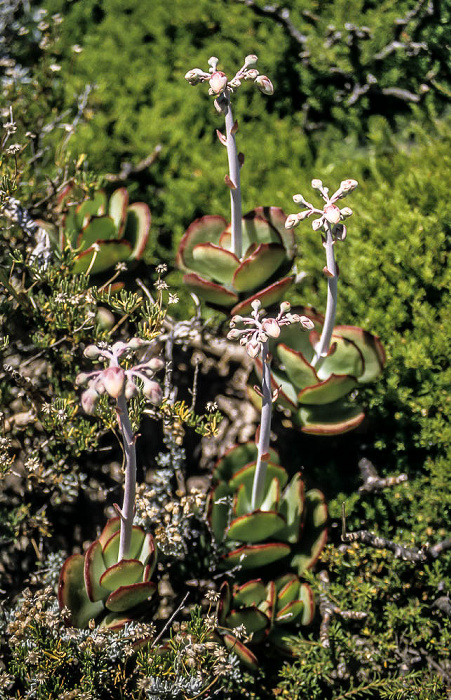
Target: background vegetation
pixel 361 90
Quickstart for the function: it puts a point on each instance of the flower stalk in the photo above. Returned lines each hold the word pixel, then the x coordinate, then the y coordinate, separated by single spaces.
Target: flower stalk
pixel 255 337
pixel 222 88
pixel 121 385
pixel 329 222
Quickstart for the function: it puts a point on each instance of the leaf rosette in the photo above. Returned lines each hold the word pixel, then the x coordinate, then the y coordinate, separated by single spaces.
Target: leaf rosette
pixel 319 396
pixel 229 283
pixel 290 523
pixel 102 231
pixel 98 586
pixel 264 611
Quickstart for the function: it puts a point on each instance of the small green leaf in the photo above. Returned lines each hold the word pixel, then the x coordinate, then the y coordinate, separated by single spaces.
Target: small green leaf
pixel 289 592
pixel 314 534
pixel 344 358
pixel 370 347
pixel 246 475
pixel 250 593
pixel 291 507
pixel 117 207
pixel 219 509
pixel 290 612
pixel 110 253
pixel 244 654
pixel 253 619
pixel 94 567
pixel 100 228
pixel 237 457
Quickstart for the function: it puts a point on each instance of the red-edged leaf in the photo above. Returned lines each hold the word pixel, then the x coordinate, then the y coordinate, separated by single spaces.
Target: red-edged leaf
pixel 213 262
pixel 290 612
pixel 112 526
pixel 225 598
pixel 306 595
pixel 371 348
pixel 94 567
pixel 244 654
pixel 72 593
pixel 137 228
pixel 277 218
pixel 268 296
pixel 258 267
pixel 218 510
pixel 344 358
pixel 252 556
pixel 110 253
pixel 237 457
pixel 250 593
pixel 254 620
pixel 314 534
pixel 291 508
pixel 255 527
pixel 335 387
pixel 300 373
pixel 117 207
pixel 209 291
pixel 246 475
pixel 330 419
pixel 128 597
pixel 207 229
pixel 124 573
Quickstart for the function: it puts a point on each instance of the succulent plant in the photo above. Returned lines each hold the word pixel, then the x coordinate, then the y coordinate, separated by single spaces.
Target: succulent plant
pixel 228 282
pixel 262 612
pixel 289 523
pixel 318 396
pixel 98 585
pixel 103 232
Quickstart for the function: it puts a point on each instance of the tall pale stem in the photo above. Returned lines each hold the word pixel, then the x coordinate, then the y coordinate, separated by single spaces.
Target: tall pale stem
pixel 265 432
pixel 331 307
pixel 234 174
pixel 128 507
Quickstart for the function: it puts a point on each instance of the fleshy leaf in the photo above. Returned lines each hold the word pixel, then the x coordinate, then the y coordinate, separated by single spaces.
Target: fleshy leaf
pixel 210 291
pixel 219 508
pixel 100 228
pixel 247 473
pixel 286 392
pixel 277 218
pixel 111 252
pixel 250 593
pixel 72 593
pixel 127 597
pixel 111 549
pixel 112 526
pixel 335 387
pixel 213 262
pixel 289 592
pixel 148 551
pixel 94 567
pixel 332 419
pixel 306 595
pixel 95 206
pixel 115 621
pixel 253 619
pixel 290 612
pixel 207 229
pixel 117 207
pixel 257 229
pixel 291 508
pixel 244 654
pixel 314 534
pixel 124 573
pixel 299 371
pixel 346 358
pixel 225 598
pixel 255 527
pixel 137 227
pixel 237 457
pixel 255 555
pixel 259 267
pixel 268 296
pixel 370 347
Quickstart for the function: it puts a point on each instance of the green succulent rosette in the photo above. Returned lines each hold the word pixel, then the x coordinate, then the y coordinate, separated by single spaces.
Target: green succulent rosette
pixel 229 283
pixel 289 525
pixel 321 399
pixel 98 586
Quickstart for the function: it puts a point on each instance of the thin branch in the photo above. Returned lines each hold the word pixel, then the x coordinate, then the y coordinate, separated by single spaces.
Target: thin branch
pixel 372 481
pixel 282 17
pixel 328 610
pixel 412 554
pixel 128 170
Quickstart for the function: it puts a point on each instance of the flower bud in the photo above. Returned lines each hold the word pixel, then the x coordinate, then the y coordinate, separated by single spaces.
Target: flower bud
pixel 251 74
pixel 236 319
pixel 345 212
pixel 304 215
pixel 252 349
pixel 292 221
pixel 285 307
pixel 213 62
pixel 218 82
pixel 88 401
pixel 264 85
pixel 152 391
pixel 271 327
pixel 155 364
pixel 332 214
pixel 195 76
pixel 250 61
pixel 233 334
pixel 348 185
pixel 299 199
pixel 307 323
pixel 92 352
pixel 81 378
pixel 113 379
pixel 136 343
pixel 131 389
pixel 317 184
pixel 316 225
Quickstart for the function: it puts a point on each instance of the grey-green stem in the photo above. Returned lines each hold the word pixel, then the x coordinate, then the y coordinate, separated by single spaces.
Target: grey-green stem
pixel 265 431
pixel 234 174
pixel 128 506
pixel 331 307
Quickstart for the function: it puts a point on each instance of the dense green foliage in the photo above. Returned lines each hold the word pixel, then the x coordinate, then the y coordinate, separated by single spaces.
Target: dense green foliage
pixel 358 94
